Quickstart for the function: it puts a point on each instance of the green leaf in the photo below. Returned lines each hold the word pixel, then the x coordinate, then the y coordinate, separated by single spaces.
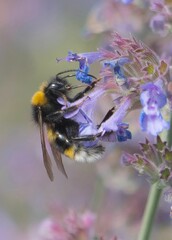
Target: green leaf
pixel 165 173
pixel 144 147
pixel 163 68
pixel 140 159
pixel 160 144
pixel 168 155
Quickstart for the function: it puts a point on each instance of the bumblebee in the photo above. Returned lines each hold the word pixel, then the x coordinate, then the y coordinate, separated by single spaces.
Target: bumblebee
pixel 62 133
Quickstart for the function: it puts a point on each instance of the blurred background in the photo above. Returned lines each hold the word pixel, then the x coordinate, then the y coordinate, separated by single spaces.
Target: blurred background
pixel 33 34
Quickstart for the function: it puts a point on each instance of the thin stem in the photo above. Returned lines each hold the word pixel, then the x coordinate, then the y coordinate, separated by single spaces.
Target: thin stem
pixel 150 211
pixel 169 137
pixel 153 201
pixel 98 196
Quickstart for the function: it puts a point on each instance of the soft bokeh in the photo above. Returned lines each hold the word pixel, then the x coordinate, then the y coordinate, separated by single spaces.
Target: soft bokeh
pixel 33 34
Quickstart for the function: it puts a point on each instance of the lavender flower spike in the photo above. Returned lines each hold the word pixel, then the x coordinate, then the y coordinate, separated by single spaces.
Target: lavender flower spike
pixel 153 99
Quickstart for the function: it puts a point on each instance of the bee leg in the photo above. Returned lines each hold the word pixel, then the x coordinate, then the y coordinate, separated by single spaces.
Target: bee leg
pixel 55 116
pixel 86 137
pixel 107 116
pixel 82 93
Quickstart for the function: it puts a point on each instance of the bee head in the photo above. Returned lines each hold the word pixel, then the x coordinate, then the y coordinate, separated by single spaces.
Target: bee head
pixel 56 88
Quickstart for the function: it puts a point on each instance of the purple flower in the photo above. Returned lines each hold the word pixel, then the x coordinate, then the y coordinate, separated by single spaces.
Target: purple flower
pixel 117 67
pixel 160 6
pixel 115 123
pixel 113 129
pixel 126 1
pixel 82 111
pixel 85 60
pixel 161 22
pixel 153 99
pixel 157 5
pixel 123 1
pixel 153 124
pixel 158 24
pixel 84 107
pixel 82 58
pixel 123 134
pixel 152 93
pixel 126 64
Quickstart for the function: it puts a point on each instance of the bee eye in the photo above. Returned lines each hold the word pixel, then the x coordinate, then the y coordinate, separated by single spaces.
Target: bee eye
pixel 53 85
pixel 56 86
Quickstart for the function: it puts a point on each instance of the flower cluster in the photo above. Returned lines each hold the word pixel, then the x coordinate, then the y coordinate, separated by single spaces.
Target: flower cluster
pixel 162 20
pixel 72 226
pixel 109 15
pixel 69 227
pixel 134 76
pixel 155 161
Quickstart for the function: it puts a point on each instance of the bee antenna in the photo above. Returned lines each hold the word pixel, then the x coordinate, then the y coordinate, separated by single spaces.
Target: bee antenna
pixel 66 71
pixel 68 76
pixel 72 75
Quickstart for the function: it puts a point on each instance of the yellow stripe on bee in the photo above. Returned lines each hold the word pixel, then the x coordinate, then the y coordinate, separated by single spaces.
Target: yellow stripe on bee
pixel 39 99
pixel 51 135
pixel 70 152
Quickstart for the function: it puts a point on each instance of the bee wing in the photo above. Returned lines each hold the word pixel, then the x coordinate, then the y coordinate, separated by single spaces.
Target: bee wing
pixel 58 159
pixel 46 157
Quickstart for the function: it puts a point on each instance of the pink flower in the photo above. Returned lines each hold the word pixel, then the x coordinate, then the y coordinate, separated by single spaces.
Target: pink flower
pixel 50 229
pixel 87 220
pixel 71 226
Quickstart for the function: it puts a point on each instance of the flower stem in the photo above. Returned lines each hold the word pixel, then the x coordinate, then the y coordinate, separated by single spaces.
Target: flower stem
pixel 98 195
pixel 150 211
pixel 169 136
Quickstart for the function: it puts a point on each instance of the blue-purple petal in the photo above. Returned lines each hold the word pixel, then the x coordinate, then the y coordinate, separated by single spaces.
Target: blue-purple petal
pixel 89 57
pixel 123 134
pixel 143 121
pixel 112 123
pixel 153 93
pixel 127 1
pixel 153 99
pixel 153 124
pixel 82 75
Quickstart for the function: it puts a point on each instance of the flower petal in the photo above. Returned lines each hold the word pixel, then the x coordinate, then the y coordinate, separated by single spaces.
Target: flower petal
pixel 153 124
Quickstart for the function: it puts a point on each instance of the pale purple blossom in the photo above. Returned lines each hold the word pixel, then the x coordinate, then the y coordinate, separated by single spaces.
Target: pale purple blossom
pixel 158 24
pixel 117 67
pixel 161 21
pixel 112 124
pixel 153 99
